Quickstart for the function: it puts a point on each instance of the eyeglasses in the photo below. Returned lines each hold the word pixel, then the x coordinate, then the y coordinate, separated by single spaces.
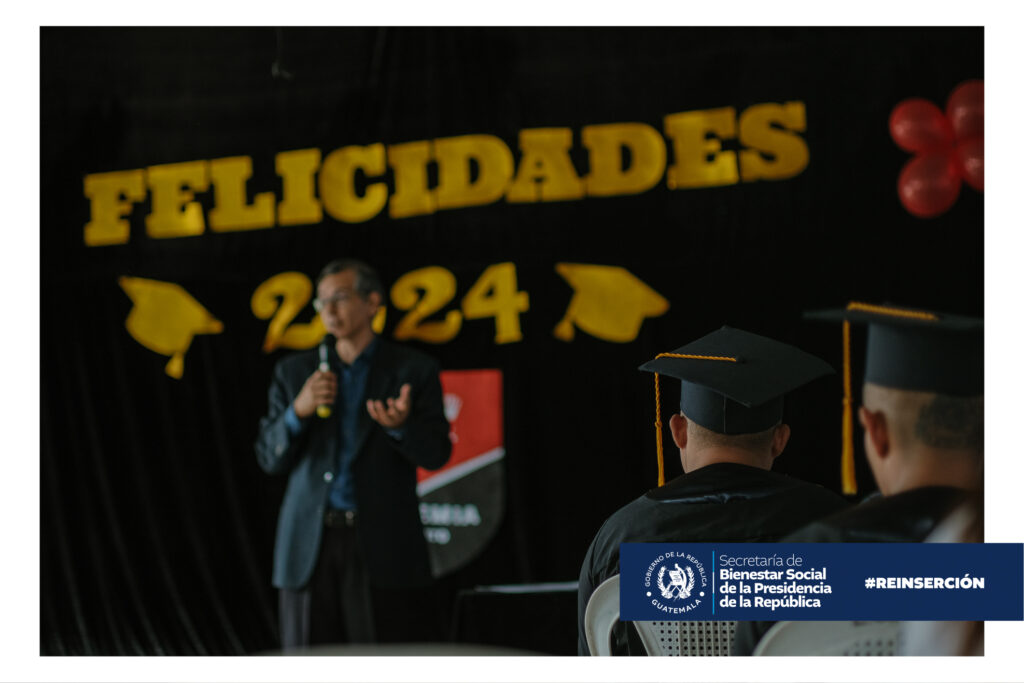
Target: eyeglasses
pixel 336 300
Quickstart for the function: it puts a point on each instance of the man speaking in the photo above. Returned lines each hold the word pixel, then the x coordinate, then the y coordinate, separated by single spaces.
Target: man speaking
pixel 349 423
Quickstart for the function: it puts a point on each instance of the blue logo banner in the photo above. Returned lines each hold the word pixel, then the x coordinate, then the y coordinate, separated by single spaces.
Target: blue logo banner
pixel 821 581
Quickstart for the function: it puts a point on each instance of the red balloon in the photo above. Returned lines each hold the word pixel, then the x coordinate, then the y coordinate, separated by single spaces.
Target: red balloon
pixel 917 125
pixel 929 184
pixel 970 158
pixel 965 109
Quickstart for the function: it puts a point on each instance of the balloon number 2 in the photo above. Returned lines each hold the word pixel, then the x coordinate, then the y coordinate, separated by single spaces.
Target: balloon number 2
pixel 608 303
pixel 421 293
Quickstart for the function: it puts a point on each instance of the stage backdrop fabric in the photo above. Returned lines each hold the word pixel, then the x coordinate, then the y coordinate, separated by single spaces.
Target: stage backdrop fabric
pixel 554 206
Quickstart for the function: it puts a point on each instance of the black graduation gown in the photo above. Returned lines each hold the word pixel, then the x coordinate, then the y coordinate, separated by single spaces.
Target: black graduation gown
pixel 724 502
pixel 906 517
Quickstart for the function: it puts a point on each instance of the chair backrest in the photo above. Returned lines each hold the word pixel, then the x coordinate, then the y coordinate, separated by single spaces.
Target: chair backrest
pixel 843 638
pixel 687 638
pixel 601 615
pixel 660 638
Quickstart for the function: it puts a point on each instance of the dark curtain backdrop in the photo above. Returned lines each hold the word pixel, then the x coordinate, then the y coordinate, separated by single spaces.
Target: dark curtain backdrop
pixel 157 525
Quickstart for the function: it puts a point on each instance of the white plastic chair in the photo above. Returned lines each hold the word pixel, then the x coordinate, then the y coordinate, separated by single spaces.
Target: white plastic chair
pixel 687 638
pixel 842 638
pixel 601 615
pixel 660 638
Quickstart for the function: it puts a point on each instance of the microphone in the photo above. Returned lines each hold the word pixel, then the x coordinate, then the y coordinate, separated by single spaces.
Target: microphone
pixel 324 410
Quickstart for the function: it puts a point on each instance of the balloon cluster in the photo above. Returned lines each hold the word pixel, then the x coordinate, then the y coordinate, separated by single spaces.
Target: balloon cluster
pixel 948 148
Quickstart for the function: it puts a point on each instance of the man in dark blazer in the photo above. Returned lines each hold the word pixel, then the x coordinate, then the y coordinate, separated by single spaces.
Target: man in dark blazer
pixel 349 423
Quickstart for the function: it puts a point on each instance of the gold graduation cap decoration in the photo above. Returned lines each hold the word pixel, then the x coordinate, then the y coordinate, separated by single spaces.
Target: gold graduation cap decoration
pixel 908 349
pixel 165 318
pixel 733 382
pixel 608 302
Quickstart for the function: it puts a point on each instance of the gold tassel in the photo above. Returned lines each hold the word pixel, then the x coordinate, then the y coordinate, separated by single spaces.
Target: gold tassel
pixel 657 429
pixel 849 477
pixel 657 404
pixel 847 471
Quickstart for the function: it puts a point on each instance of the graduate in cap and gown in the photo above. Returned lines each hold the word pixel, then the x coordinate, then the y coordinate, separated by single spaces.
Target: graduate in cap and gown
pixel 729 430
pixel 922 412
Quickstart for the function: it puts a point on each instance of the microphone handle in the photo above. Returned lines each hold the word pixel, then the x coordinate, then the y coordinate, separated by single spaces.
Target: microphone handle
pixel 324 410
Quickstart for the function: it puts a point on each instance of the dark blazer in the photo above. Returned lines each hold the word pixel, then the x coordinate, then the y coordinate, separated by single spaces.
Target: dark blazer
pixel 388 524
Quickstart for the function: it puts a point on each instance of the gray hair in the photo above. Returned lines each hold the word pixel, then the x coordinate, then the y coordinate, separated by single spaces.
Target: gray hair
pixel 367 280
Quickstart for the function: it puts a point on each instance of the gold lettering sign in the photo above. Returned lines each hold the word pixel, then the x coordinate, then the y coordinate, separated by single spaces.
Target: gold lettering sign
pixel 608 302
pixel 353 184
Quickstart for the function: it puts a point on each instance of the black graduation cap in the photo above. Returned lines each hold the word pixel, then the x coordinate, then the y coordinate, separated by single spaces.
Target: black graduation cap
pixel 918 350
pixel 909 349
pixel 733 382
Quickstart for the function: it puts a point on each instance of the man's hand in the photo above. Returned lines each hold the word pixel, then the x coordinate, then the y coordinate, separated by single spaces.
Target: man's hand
pixel 320 389
pixel 391 414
